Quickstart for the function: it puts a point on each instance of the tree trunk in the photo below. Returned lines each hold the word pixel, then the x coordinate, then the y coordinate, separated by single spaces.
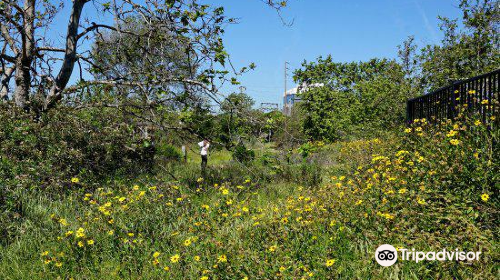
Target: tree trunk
pixel 64 75
pixel 25 59
pixel 4 86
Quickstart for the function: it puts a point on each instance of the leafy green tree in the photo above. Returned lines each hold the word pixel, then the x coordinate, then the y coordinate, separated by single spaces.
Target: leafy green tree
pixel 236 119
pixel 356 97
pixel 464 52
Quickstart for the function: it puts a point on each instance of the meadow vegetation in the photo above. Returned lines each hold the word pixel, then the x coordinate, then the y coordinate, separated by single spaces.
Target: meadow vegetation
pixel 436 187
pixel 94 183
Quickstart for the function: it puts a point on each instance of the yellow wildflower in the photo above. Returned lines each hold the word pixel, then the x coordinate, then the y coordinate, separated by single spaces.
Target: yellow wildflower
pixel 175 258
pixel 75 180
pixel 330 262
pixel 485 197
pixel 80 232
pixel 222 258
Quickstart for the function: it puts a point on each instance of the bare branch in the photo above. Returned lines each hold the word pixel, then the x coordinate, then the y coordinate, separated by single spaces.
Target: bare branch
pixel 4 86
pixel 8 16
pixel 10 41
pixel 93 27
pixel 8 58
pixel 70 55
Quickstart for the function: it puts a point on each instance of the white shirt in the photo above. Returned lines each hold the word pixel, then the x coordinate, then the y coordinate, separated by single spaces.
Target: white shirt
pixel 204 148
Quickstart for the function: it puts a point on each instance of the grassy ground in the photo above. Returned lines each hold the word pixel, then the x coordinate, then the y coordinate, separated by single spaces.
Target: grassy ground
pixel 153 228
pixel 260 232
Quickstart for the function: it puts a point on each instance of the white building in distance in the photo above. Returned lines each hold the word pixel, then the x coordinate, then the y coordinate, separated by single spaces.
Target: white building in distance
pixel 292 96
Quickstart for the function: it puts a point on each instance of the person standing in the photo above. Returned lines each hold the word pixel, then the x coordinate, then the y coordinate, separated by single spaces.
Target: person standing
pixel 204 145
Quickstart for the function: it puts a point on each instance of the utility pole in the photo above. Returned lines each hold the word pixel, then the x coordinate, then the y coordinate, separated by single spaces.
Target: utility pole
pixel 286 74
pixel 285 105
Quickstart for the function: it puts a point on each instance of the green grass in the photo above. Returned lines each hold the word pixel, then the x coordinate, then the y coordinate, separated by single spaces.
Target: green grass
pixel 265 230
pixel 302 249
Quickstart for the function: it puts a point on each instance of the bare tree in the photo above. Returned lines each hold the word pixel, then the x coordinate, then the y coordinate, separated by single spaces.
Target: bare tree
pixel 39 66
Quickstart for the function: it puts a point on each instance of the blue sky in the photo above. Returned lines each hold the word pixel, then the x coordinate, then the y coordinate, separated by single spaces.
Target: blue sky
pixel 348 30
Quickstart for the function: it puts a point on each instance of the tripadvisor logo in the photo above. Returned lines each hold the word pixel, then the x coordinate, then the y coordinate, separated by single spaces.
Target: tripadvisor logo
pixel 387 255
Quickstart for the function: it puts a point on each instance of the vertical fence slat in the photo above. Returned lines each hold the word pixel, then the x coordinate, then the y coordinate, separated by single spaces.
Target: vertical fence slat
pixel 443 103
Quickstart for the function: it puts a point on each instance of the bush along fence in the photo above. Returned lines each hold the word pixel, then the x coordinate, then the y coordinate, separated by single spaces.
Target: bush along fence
pixel 479 95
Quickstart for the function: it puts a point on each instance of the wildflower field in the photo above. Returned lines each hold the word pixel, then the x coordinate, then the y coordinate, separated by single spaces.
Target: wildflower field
pixel 152 139
pixel 434 188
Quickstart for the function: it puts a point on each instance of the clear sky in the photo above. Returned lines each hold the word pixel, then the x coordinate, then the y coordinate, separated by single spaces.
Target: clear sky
pixel 349 30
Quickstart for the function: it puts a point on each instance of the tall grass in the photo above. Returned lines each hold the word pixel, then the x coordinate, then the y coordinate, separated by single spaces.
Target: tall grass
pixel 426 191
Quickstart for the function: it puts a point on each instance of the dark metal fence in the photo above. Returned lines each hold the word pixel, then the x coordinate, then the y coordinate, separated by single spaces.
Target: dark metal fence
pixel 479 94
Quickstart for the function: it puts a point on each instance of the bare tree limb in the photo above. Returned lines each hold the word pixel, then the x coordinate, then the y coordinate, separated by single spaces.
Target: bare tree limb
pixel 4 86
pixel 10 41
pixel 69 57
pixel 93 27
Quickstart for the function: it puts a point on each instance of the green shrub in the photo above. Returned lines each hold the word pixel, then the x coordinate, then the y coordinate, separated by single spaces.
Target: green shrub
pixel 67 142
pixel 438 189
pixel 168 152
pixel 306 174
pixel 242 154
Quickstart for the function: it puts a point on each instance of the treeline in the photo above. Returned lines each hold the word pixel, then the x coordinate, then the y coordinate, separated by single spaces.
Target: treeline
pixel 154 88
pixel 363 98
